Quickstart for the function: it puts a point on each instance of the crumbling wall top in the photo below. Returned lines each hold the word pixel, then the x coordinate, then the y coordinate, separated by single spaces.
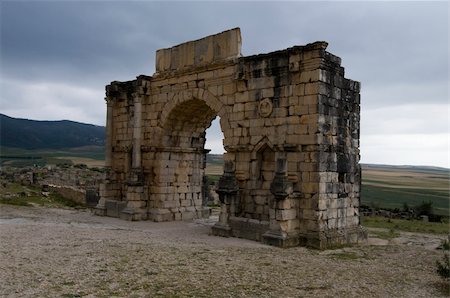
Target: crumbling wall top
pixel 211 49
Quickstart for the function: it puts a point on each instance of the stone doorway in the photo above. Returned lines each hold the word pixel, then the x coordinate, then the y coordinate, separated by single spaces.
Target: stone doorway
pixel 290 121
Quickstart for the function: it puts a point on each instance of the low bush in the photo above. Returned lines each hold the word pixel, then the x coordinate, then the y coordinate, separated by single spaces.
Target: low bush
pixel 443 266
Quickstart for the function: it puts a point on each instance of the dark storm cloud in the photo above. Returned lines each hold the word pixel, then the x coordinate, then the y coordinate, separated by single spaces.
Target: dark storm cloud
pixel 56 57
pixel 44 39
pixel 380 43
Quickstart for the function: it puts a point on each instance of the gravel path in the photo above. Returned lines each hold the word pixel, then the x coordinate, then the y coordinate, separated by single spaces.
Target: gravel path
pixel 72 253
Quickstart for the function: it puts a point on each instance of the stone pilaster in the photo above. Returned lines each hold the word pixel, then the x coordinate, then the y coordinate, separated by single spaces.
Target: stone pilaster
pixel 137 133
pixel 136 208
pixel 109 133
pixel 228 190
pixel 282 211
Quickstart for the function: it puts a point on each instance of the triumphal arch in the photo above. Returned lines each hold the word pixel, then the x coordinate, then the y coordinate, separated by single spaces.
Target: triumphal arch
pixel 290 121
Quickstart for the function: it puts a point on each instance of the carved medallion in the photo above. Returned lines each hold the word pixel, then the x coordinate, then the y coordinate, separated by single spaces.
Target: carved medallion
pixel 265 107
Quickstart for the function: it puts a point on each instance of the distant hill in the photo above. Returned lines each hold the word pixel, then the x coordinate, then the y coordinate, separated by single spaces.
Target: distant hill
pixel 32 134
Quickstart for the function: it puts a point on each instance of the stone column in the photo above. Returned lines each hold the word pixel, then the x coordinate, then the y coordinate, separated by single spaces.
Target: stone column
pixel 137 127
pixel 107 188
pixel 136 203
pixel 109 132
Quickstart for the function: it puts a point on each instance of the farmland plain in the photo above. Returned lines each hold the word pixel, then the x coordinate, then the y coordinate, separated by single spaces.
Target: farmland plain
pixel 393 187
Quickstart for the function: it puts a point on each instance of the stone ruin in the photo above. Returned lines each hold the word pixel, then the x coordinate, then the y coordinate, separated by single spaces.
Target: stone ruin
pixel 77 184
pixel 290 121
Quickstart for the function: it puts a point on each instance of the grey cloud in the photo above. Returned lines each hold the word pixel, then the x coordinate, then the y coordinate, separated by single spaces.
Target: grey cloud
pixel 398 50
pixel 406 120
pixel 121 37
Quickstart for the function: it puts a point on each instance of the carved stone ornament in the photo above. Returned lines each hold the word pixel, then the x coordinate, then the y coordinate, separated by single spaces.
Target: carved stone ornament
pixel 265 107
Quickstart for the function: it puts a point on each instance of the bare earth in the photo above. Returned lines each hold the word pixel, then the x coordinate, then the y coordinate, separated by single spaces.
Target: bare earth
pixel 72 253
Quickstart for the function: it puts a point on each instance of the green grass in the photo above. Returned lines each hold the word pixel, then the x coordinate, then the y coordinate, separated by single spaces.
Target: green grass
pixel 396 197
pixel 345 256
pixel 16 157
pixel 213 178
pixel 385 234
pixel 30 195
pixel 393 224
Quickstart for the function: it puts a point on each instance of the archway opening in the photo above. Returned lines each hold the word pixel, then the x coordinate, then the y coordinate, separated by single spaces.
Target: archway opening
pixel 214 161
pixel 183 170
pixel 186 125
pixel 214 138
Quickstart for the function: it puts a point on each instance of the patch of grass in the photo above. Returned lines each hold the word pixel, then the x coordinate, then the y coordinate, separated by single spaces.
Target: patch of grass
pixel 61 201
pixel 416 226
pixel 213 178
pixel 443 265
pixel 391 234
pixel 314 288
pixel 445 245
pixel 345 255
pixel 15 201
pixel 443 287
pixel 12 188
pixel 339 246
pixel 58 161
pixel 19 195
pixel 71 295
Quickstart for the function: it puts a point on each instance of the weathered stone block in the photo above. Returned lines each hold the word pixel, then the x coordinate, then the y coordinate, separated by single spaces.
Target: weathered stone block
pixel 286 214
pixel 219 47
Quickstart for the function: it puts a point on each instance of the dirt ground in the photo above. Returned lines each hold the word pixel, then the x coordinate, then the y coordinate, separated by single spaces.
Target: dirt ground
pixel 72 253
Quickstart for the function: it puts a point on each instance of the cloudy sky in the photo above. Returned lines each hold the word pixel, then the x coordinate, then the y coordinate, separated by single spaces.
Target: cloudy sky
pixel 56 58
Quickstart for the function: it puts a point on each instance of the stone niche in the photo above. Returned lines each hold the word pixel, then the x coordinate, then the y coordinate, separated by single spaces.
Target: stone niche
pixel 290 121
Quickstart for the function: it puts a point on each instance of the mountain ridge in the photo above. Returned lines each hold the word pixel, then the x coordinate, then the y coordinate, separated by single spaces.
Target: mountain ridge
pixel 46 134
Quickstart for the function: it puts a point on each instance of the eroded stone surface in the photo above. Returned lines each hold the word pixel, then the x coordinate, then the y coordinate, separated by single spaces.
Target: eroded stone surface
pixel 292 107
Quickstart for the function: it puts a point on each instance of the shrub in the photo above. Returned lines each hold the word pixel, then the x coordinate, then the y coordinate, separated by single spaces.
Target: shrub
pixel 406 207
pixel 80 166
pixel 443 267
pixel 426 208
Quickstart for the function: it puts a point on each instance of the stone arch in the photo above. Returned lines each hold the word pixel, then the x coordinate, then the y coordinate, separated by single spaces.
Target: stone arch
pixel 282 121
pixel 197 94
pixel 181 160
pixel 186 123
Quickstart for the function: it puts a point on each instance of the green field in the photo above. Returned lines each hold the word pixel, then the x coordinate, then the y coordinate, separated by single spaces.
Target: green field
pixel 92 156
pixel 395 198
pixel 392 187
